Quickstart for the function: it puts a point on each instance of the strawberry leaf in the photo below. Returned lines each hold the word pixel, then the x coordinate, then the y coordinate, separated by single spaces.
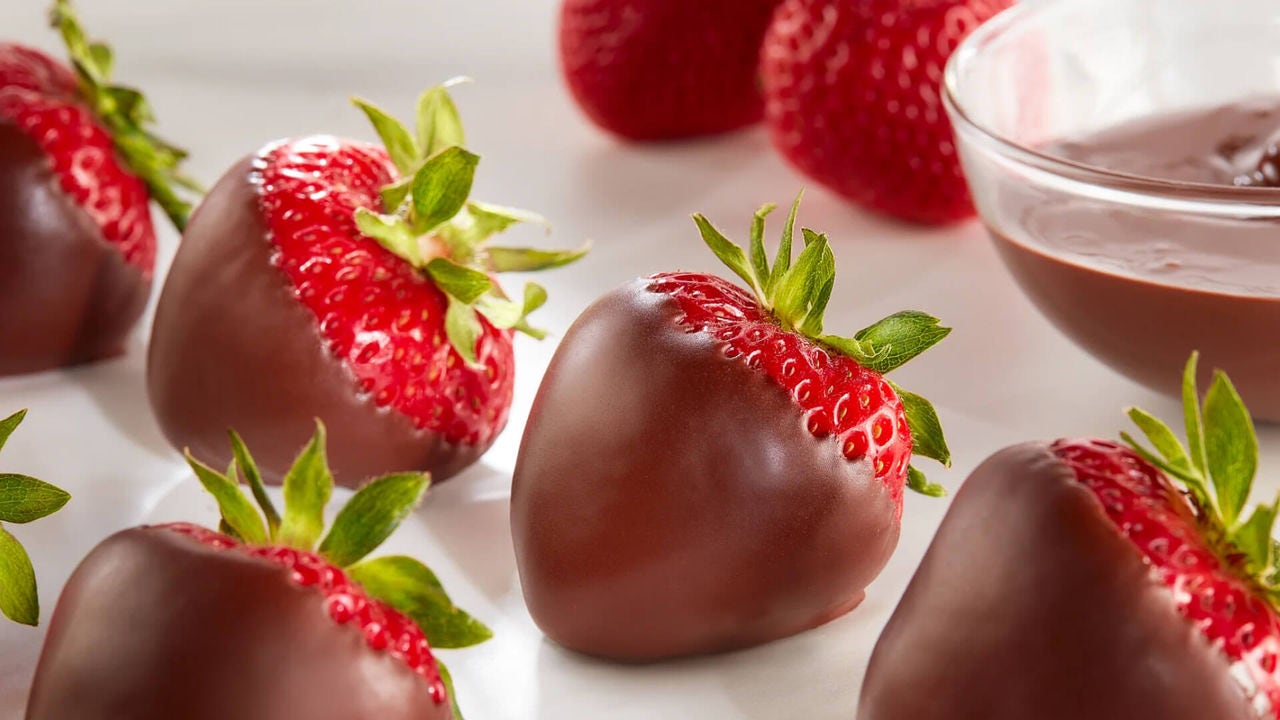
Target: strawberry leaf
pixel 917 482
pixel 371 515
pixel 250 468
pixel 392 233
pixel 462 326
pixel 1191 414
pixel 759 262
pixel 1254 538
pixel 927 438
pixel 411 587
pixel 505 314
pixel 1158 461
pixel 235 508
pixel 440 188
pixel 782 261
pixel 23 498
pixel 400 145
pixel 488 219
pixel 18 599
pixel 9 424
pixel 307 488
pixel 825 276
pixel 850 347
pixel 795 297
pixel 393 195
pixel 506 259
pixel 460 282
pixel 439 125
pixel 724 248
pixel 899 338
pixel 447 678
pixel 1231 447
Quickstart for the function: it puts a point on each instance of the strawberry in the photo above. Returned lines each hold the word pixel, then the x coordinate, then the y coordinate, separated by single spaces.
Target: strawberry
pixel 1089 579
pixel 663 69
pixel 22 499
pixel 256 620
pixel 333 278
pixel 853 99
pixel 78 167
pixel 704 468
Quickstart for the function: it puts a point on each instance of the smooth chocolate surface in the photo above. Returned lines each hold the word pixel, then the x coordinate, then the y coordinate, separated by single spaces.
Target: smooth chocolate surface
pixel 669 501
pixel 1140 288
pixel 66 295
pixel 232 348
pixel 155 626
pixel 1030 604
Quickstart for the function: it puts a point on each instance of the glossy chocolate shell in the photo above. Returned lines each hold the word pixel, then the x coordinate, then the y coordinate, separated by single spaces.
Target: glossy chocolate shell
pixel 669 501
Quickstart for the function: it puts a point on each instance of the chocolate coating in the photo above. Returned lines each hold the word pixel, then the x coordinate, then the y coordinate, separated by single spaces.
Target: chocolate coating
pixel 1030 604
pixel 669 501
pixel 66 295
pixel 232 348
pixel 154 625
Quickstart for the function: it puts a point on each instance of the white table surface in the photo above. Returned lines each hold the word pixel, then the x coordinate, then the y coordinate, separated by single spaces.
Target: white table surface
pixel 225 76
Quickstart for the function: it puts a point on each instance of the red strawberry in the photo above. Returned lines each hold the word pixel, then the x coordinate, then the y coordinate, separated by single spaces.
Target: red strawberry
pixel 77 169
pixel 22 499
pixel 1074 579
pixel 332 278
pixel 255 621
pixel 704 469
pixel 853 99
pixel 661 69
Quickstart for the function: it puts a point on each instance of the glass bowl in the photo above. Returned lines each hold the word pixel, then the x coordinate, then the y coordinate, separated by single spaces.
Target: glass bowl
pixel 1138 271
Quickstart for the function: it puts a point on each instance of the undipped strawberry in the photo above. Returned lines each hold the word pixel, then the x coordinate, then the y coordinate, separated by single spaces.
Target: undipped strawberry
pixel 1086 579
pixel 262 619
pixel 705 469
pixel 663 69
pixel 337 279
pixel 853 99
pixel 78 168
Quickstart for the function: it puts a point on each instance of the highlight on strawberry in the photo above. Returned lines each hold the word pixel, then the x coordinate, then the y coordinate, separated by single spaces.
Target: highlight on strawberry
pixel 356 283
pixel 1101 580
pixel 79 166
pixel 22 500
pixel 269 611
pixel 707 467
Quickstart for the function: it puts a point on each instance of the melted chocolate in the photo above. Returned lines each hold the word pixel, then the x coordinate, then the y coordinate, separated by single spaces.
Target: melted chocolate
pixel 155 626
pixel 669 501
pixel 66 295
pixel 1030 604
pixel 232 348
pixel 1140 289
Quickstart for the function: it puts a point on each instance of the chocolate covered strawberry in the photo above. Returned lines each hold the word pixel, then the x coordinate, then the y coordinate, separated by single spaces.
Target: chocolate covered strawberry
pixel 261 619
pixel 337 279
pixel 22 499
pixel 853 99
pixel 705 469
pixel 78 169
pixel 662 69
pixel 1086 579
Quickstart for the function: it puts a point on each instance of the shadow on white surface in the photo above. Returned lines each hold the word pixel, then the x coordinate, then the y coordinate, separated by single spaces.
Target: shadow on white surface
pixel 119 388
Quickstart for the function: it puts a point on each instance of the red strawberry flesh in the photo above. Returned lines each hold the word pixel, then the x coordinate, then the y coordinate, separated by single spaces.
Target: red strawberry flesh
pixel 834 394
pixel 1208 587
pixel 374 311
pixel 37 95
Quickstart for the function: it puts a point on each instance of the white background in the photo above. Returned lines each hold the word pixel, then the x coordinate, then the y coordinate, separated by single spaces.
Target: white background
pixel 227 76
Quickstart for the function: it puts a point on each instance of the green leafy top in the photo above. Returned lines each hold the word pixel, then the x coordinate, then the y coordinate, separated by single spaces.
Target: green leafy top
pixel 1217 465
pixel 22 499
pixel 429 220
pixel 126 114
pixel 796 296
pixel 368 518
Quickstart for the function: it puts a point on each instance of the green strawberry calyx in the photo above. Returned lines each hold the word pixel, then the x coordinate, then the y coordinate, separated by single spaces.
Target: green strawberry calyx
pixel 371 515
pixel 126 114
pixel 796 297
pixel 429 221
pixel 1217 464
pixel 22 499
